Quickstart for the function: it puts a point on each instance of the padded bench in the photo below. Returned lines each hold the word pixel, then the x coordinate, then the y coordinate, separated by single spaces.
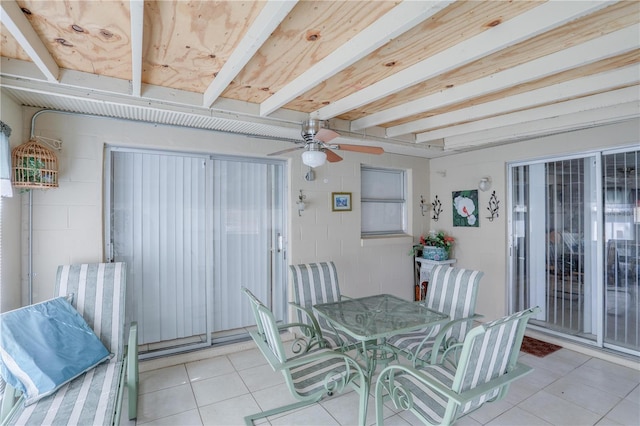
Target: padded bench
pixel 95 396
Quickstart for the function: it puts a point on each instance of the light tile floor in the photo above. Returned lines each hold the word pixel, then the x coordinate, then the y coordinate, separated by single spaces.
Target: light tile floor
pixel 566 388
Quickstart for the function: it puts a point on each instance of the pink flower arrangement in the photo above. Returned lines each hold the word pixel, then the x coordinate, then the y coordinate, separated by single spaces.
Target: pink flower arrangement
pixel 438 239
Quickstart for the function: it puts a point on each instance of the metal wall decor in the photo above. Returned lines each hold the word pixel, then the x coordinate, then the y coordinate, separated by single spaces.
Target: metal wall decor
pixel 493 207
pixel 437 209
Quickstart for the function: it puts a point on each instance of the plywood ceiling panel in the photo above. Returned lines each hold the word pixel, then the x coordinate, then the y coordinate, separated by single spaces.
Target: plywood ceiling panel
pixel 187 42
pixel 9 47
pixel 479 54
pixel 310 32
pixel 606 21
pixel 457 22
pixel 92 37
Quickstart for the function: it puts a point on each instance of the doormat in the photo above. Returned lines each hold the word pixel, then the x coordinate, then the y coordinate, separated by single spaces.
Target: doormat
pixel 538 347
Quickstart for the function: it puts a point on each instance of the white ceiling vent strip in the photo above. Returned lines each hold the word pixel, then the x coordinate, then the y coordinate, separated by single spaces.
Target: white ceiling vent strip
pixel 153 115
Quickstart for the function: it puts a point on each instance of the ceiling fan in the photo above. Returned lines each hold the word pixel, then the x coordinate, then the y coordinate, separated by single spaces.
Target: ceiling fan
pixel 317 150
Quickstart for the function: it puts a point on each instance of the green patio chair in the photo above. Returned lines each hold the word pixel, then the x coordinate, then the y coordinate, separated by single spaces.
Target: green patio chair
pixel 315 283
pixel 465 379
pixel 452 291
pixel 310 376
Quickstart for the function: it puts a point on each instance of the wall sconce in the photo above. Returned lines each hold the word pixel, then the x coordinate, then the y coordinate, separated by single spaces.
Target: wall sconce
pixel 485 184
pixel 300 203
pixel 437 209
pixel 423 206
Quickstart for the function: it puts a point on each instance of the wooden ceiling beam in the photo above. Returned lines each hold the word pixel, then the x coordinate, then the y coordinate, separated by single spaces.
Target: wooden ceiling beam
pixel 397 21
pixel 572 89
pixel 539 20
pixel 546 126
pixel 608 46
pixel 14 20
pixel 600 100
pixel 267 21
pixel 137 33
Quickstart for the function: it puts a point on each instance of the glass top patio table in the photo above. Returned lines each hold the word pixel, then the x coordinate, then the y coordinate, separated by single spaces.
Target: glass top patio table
pixel 379 316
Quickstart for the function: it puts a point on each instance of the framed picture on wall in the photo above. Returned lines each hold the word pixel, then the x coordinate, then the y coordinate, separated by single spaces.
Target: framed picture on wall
pixel 341 201
pixel 465 208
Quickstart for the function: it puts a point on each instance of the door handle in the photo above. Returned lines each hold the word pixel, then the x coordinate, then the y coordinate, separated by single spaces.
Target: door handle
pixel 280 245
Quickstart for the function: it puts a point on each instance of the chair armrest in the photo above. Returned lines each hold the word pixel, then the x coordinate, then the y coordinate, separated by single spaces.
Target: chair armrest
pixel 132 370
pixel 386 379
pixel 439 342
pixel 517 372
pixel 10 399
pixel 317 333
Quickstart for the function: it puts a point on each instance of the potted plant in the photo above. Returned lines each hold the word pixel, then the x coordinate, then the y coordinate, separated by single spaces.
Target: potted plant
pixel 436 245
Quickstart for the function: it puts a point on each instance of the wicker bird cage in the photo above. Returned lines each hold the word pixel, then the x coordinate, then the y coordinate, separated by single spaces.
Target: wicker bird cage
pixel 34 166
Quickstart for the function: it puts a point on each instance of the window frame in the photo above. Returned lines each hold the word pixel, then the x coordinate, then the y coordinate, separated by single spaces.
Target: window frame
pixel 402 202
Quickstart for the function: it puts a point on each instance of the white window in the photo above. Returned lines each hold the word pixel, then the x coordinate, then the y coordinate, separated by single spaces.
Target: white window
pixel 383 201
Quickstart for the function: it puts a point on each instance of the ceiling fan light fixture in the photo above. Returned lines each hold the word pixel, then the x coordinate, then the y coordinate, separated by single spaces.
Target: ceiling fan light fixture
pixel 314 158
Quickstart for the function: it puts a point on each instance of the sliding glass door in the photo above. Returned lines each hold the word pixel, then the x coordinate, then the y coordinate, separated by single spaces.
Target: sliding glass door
pixel 193 229
pixel 574 246
pixel 622 247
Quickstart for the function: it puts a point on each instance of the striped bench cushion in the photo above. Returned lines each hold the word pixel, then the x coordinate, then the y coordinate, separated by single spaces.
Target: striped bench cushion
pixel 87 400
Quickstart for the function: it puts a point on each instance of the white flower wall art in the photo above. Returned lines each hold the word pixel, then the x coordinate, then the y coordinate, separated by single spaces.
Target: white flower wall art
pixel 465 208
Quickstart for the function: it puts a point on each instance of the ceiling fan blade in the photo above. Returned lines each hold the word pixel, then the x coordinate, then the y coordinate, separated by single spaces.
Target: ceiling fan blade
pixel 361 148
pixel 326 135
pixel 332 157
pixel 285 151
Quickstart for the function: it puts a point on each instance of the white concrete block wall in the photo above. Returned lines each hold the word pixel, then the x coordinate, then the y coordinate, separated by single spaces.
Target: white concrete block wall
pixel 68 221
pixel 10 243
pixel 486 247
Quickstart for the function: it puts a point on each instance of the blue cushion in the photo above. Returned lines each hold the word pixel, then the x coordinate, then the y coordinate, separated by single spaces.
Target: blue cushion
pixel 45 345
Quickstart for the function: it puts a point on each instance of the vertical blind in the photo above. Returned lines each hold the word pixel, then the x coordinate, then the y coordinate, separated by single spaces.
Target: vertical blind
pixel 241 240
pixel 159 223
pixel 193 231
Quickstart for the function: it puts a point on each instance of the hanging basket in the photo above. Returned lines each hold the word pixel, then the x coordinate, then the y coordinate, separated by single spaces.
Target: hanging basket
pixel 34 166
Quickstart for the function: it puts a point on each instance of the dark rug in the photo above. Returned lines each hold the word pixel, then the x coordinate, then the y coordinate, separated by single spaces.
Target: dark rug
pixel 538 347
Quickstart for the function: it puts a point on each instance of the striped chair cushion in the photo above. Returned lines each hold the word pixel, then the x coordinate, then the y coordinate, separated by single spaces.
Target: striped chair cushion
pixel 428 403
pixel 271 334
pixel 489 352
pixel 452 291
pixel 488 358
pixel 409 342
pixel 315 283
pixel 311 377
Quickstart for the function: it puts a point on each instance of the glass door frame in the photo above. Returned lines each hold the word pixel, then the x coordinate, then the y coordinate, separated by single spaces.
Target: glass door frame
pixel 278 287
pixel 596 185
pixel 597 233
